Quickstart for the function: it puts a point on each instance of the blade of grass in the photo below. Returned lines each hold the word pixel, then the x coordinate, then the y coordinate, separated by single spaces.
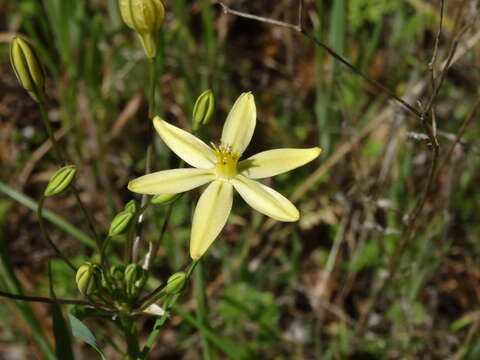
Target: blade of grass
pixel 326 117
pixel 232 351
pixel 10 283
pixel 47 214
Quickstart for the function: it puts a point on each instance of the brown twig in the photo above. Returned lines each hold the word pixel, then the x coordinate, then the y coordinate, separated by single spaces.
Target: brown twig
pixel 459 136
pixel 300 29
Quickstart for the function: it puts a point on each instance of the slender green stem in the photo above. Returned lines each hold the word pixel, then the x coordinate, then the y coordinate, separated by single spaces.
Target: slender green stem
pixel 47 236
pixel 43 299
pixel 88 217
pixel 143 204
pixel 128 250
pixel 152 252
pixel 134 244
pixel 131 246
pixel 131 337
pixel 103 258
pixel 192 267
pixel 201 310
pixel 48 128
pixel 152 73
pixel 61 160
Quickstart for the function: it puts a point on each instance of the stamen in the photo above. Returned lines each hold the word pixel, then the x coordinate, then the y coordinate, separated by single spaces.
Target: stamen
pixel 226 167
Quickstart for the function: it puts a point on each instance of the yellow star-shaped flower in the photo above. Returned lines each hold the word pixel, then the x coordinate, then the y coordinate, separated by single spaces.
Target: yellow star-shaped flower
pixel 220 165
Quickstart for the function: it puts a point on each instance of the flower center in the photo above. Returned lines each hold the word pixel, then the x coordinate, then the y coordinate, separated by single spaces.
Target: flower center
pixel 226 165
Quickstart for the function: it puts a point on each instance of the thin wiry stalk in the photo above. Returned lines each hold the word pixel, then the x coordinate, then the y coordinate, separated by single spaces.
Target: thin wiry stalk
pixel 42 299
pixel 300 29
pixel 47 236
pixel 61 160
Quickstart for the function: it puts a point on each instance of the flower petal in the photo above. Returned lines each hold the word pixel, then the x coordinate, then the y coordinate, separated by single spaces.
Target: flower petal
pixel 274 162
pixel 265 199
pixel 187 146
pixel 240 123
pixel 210 216
pixel 170 181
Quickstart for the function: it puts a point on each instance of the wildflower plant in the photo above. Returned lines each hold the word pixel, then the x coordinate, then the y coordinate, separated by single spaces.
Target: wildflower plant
pixel 120 291
pixel 122 287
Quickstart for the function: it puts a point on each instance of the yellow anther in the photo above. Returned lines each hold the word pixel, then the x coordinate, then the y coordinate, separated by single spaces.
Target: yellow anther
pixel 226 166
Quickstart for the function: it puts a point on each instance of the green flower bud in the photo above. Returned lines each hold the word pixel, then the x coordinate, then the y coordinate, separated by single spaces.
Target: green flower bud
pixel 204 109
pixel 61 180
pixel 165 199
pixel 27 67
pixel 88 278
pixel 176 283
pixel 135 279
pixel 120 223
pixel 131 206
pixel 117 271
pixel 146 18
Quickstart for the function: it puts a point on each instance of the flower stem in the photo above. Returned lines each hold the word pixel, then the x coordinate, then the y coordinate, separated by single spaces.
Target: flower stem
pixel 131 337
pixel 48 128
pixel 61 160
pixel 201 300
pixel 152 73
pixel 47 236
pixel 43 299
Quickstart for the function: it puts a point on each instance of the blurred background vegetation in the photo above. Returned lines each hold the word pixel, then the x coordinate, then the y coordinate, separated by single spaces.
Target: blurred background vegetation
pixel 277 290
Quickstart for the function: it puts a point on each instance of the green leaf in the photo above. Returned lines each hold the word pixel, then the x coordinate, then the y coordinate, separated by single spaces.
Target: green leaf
pixel 82 332
pixel 63 341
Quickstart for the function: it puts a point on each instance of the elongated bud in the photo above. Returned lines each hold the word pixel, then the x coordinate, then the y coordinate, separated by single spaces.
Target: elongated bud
pixel 176 283
pixel 88 278
pixel 204 109
pixel 131 206
pixel 120 223
pixel 61 180
pixel 146 18
pixel 165 199
pixel 135 278
pixel 27 67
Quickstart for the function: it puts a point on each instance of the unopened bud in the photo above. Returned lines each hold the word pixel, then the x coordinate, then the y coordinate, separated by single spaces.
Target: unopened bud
pixel 165 199
pixel 60 181
pixel 146 18
pixel 176 283
pixel 88 278
pixel 27 67
pixel 120 223
pixel 131 206
pixel 117 271
pixel 135 279
pixel 204 109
